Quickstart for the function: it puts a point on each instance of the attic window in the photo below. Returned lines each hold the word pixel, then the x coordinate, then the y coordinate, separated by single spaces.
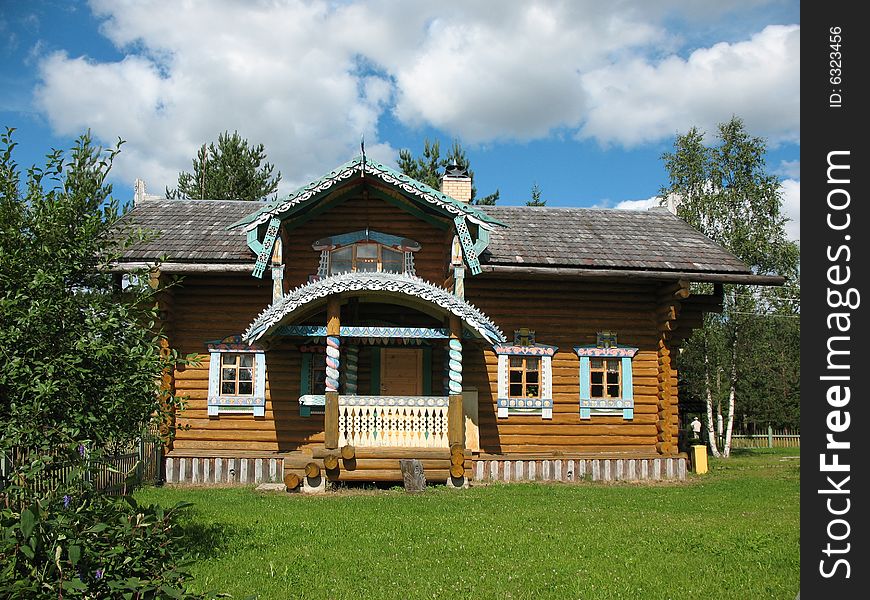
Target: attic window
pixel 365 251
pixel 366 257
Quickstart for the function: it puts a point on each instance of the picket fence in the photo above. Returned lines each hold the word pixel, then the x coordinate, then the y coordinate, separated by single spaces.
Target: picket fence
pixel 772 438
pixel 115 474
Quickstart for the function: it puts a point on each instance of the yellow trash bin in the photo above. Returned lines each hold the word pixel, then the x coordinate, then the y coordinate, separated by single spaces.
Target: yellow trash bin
pixel 699 458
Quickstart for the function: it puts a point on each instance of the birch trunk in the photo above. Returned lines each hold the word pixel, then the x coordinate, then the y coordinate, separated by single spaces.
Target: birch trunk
pixel 711 431
pixel 732 392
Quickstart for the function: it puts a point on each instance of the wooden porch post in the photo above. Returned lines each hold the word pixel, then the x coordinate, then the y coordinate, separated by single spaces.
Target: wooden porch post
pixel 455 416
pixel 333 364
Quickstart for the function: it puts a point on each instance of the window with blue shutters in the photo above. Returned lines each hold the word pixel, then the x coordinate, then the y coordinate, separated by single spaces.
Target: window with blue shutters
pixel 236 378
pixel 606 379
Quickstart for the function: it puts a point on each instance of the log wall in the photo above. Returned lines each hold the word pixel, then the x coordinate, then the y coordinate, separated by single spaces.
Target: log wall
pixel 213 307
pixel 568 314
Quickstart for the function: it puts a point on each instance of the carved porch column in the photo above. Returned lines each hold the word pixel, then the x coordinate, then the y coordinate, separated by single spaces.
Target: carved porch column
pixel 455 416
pixel 333 366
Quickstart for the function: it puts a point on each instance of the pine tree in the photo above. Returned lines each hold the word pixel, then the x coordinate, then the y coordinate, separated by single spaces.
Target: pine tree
pixel 232 170
pixel 429 167
pixel 536 196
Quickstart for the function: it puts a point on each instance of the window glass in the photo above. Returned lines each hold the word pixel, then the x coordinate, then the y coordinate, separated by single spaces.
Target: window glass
pixel 366 258
pixel 524 377
pixel 341 260
pixel 237 374
pixel 392 261
pixel 604 378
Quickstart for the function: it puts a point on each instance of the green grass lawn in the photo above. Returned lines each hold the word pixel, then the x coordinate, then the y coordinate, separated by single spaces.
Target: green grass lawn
pixel 731 534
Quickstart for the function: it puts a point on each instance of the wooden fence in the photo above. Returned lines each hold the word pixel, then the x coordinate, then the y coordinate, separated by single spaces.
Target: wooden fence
pixel 116 474
pixel 771 438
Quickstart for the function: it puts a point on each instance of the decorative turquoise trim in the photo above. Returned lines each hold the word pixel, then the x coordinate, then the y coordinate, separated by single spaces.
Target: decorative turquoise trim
pixel 427 371
pixel 471 258
pixel 627 390
pixel 628 414
pixel 318 331
pixel 357 284
pixel 254 243
pixel 360 166
pixel 585 413
pixel 268 244
pixel 482 241
pixel 301 330
pixel 585 390
pixel 363 235
pixel 375 378
pixel 309 401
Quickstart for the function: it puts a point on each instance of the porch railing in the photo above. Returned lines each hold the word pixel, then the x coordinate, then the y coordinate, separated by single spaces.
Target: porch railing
pixel 402 421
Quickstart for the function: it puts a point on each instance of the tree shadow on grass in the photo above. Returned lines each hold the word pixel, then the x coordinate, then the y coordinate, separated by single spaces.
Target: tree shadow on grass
pixel 212 540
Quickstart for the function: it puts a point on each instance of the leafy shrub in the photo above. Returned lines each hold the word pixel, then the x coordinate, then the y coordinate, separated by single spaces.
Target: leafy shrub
pixel 91 547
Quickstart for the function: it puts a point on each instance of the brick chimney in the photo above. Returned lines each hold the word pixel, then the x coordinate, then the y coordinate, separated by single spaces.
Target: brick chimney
pixel 456 183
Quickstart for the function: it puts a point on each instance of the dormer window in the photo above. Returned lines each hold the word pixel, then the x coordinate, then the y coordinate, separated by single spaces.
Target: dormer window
pixel 366 257
pixel 365 252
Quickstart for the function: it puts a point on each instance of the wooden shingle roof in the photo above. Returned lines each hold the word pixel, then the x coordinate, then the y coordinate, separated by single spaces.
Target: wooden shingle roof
pixel 191 231
pixel 605 238
pixel 537 240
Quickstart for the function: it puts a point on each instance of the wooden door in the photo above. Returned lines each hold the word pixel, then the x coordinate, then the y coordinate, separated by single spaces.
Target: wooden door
pixel 401 372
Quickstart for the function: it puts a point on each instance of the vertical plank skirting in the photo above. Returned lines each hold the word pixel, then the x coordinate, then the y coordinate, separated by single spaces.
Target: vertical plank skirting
pixel 590 469
pixel 187 470
pixel 197 470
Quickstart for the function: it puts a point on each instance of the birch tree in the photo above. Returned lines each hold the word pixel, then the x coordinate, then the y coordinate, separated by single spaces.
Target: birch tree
pixel 725 191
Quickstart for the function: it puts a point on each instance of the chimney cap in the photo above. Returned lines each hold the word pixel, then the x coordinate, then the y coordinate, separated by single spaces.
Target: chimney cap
pixel 454 170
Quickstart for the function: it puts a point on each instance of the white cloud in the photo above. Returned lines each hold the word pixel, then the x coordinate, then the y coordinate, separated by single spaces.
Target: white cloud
pixel 307 78
pixel 640 101
pixel 791 207
pixel 638 204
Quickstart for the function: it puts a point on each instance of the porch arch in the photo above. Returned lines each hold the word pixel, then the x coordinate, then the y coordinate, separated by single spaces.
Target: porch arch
pixel 398 288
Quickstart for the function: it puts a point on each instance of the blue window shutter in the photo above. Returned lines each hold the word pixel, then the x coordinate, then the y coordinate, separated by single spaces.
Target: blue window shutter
pixel 585 392
pixel 214 371
pixel 260 384
pixel 627 389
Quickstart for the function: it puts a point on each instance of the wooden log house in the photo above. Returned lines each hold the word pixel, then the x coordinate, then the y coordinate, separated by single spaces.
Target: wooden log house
pixel 368 318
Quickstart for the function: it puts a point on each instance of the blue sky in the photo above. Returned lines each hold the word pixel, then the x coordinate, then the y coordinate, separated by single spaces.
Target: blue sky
pixel 574 96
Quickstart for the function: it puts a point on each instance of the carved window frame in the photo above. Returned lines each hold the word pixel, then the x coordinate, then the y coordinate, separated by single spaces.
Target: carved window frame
pixel 222 403
pixel 621 405
pixel 541 405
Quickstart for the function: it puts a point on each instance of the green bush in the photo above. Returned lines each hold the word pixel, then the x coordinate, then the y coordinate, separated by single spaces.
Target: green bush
pixel 91 547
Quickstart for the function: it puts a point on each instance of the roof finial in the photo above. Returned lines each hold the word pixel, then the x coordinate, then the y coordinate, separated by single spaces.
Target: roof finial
pixel 362 150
